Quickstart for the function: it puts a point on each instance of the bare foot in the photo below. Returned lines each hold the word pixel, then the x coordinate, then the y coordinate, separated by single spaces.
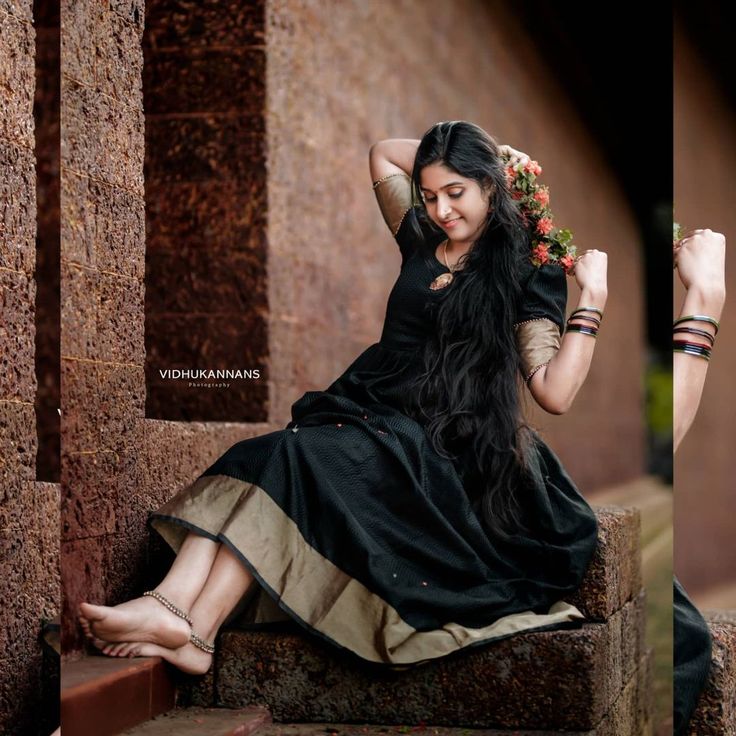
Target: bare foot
pixel 189 659
pixel 142 620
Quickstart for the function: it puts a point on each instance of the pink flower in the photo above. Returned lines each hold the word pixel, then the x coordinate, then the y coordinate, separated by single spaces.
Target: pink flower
pixel 542 196
pixel 532 167
pixel 544 226
pixel 541 253
pixel 567 263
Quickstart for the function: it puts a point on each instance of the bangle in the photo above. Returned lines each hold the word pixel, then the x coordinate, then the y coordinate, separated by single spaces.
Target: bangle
pixel 698 318
pixel 584 329
pixel 695 331
pixel 594 320
pixel 691 348
pixel 588 309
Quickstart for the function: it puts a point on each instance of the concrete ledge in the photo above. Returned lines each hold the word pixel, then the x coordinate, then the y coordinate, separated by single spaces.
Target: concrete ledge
pixel 102 696
pixel 567 679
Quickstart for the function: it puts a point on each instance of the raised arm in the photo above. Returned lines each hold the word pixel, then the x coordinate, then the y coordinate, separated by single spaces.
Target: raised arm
pixel 555 384
pixel 700 263
pixel 392 156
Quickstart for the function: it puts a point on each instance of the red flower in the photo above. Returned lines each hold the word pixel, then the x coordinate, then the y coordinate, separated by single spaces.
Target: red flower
pixel 542 196
pixel 567 263
pixel 544 226
pixel 516 194
pixel 541 253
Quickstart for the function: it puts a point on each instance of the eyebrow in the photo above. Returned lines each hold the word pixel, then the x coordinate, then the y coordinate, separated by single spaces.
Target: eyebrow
pixel 451 184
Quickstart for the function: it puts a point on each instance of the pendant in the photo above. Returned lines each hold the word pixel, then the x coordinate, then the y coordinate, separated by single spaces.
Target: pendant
pixel 441 281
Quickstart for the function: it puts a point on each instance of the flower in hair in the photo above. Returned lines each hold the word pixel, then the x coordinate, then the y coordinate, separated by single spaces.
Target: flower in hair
pixel 550 244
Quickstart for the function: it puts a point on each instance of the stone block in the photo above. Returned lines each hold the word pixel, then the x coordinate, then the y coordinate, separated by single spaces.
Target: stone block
pixel 554 680
pixel 17 78
pixel 716 711
pixel 205 147
pixel 172 23
pixel 614 573
pixel 17 333
pixel 217 215
pixel 17 208
pixel 206 80
pixel 18 444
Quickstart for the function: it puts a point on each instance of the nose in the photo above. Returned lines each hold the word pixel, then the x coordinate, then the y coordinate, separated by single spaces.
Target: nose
pixel 443 207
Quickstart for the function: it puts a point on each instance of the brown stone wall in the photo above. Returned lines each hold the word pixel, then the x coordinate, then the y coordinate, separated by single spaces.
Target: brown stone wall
pixel 705 466
pixel 206 209
pixel 330 91
pixel 28 509
pixel 102 261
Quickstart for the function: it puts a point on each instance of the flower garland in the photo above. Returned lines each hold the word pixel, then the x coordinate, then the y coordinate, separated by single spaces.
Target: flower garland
pixel 549 244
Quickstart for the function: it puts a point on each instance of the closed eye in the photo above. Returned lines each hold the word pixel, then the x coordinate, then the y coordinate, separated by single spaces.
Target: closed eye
pixel 453 196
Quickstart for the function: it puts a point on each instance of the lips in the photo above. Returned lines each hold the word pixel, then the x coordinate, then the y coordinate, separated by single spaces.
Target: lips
pixel 449 222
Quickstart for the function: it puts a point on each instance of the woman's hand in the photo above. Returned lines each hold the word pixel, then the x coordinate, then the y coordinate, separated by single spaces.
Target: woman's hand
pixel 590 270
pixel 700 260
pixel 515 157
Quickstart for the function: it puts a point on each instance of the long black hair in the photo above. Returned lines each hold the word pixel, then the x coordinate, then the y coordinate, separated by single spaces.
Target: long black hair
pixel 468 396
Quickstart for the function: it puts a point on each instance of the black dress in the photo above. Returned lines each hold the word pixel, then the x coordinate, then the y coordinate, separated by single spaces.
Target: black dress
pixel 692 658
pixel 354 527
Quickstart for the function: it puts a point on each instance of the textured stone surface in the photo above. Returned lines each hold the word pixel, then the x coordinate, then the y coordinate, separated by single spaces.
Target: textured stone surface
pixel 614 574
pixel 29 591
pixel 212 721
pixel 716 711
pixel 17 207
pixel 29 510
pixel 17 74
pixel 206 303
pixel 301 679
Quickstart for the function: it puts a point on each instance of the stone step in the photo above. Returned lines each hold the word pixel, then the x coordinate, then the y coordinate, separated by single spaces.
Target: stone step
pixel 716 711
pixel 629 715
pixel 204 722
pixel 558 680
pixel 102 696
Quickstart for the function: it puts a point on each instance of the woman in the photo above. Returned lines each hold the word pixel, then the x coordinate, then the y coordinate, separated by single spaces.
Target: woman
pixel 700 263
pixel 406 512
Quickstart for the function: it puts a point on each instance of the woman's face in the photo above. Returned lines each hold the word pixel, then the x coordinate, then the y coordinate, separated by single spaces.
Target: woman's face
pixel 456 204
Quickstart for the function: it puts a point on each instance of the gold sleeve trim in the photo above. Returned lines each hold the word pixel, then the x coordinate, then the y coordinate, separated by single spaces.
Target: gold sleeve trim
pixel 538 340
pixel 393 193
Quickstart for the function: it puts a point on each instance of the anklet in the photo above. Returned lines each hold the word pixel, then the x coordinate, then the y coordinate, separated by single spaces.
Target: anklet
pixel 202 644
pixel 166 602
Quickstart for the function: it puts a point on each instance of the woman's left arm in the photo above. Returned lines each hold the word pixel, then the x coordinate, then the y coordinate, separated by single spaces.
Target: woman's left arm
pixel 555 385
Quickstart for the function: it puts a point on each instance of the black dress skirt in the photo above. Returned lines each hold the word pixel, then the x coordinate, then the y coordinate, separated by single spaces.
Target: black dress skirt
pixel 357 529
pixel 692 658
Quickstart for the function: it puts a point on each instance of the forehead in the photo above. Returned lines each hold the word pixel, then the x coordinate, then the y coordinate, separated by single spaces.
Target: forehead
pixel 437 176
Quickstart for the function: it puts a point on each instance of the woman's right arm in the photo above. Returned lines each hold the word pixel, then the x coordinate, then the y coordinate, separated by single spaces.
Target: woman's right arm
pixel 700 261
pixel 392 156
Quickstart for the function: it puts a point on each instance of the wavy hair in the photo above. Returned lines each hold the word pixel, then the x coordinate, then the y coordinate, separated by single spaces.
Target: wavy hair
pixel 468 395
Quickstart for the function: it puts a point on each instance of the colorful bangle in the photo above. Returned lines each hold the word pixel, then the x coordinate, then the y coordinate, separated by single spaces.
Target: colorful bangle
pixel 594 320
pixel 584 329
pixel 588 309
pixel 691 348
pixel 697 318
pixel 695 331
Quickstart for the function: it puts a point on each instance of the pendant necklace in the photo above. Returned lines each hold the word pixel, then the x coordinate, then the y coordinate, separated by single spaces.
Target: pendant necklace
pixel 444 279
